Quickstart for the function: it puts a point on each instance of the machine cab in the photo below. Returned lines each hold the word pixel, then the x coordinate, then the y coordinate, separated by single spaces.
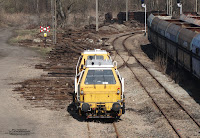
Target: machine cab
pixel 97 54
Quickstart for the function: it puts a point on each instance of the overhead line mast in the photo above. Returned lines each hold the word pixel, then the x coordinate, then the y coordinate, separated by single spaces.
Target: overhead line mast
pixel 126 10
pixel 97 16
pixel 54 20
pixel 196 6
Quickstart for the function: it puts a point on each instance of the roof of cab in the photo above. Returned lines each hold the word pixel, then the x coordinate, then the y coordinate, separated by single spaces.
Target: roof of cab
pixel 95 51
pixel 99 63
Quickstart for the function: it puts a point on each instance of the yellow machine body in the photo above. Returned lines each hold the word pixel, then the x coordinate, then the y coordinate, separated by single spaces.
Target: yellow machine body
pixel 100 96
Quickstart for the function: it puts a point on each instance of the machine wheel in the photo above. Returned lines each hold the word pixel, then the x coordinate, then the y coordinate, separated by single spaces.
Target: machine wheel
pixel 123 108
pixel 79 111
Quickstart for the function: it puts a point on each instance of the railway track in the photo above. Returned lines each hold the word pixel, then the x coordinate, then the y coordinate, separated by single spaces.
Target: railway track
pixel 113 43
pixel 125 35
pixel 161 97
pixel 114 127
pixel 116 131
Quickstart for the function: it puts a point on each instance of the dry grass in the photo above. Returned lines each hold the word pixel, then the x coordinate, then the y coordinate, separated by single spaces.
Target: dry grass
pixel 168 68
pixel 29 34
pixel 21 20
pixel 42 50
pixel 25 37
pixel 21 35
pixel 12 19
pixel 161 62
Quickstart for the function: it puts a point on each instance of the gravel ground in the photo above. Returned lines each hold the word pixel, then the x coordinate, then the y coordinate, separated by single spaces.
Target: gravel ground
pixel 101 129
pixel 142 118
pixel 177 91
pixel 17 64
pixel 188 127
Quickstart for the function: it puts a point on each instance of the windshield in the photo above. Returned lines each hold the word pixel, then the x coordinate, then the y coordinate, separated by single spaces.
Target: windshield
pixel 95 57
pixel 100 77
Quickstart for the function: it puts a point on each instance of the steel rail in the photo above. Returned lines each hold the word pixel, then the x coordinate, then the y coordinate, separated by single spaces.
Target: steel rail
pixel 116 131
pixel 170 123
pixel 139 30
pixel 167 91
pixel 114 125
pixel 88 127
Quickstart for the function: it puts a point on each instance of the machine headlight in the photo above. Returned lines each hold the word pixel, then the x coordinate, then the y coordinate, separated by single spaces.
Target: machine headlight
pixel 118 91
pixel 82 91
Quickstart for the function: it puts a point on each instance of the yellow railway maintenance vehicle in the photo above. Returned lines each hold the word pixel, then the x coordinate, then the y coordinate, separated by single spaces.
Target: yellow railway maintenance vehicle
pixel 90 55
pixel 99 90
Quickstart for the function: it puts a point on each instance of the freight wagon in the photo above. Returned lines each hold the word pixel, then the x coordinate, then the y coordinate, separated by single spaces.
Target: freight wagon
pixel 137 15
pixel 179 40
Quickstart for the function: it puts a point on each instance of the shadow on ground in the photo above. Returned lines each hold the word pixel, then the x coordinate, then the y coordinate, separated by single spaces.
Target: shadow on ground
pixel 73 112
pixel 181 76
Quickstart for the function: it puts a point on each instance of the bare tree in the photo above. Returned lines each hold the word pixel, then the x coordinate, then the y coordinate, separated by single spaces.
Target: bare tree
pixel 63 13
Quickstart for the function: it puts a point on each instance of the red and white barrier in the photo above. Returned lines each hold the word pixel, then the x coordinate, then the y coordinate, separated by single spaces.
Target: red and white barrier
pixel 44 29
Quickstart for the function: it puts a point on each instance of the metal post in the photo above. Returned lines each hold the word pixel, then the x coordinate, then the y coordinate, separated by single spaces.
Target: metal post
pixel 126 10
pixel 55 22
pixel 170 7
pixel 145 16
pixel 53 12
pixel 145 19
pixel 180 6
pixel 167 7
pixel 181 9
pixel 196 6
pixel 97 17
pixel 45 42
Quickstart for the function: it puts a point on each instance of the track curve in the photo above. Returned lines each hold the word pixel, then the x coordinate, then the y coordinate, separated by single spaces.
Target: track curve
pixel 125 37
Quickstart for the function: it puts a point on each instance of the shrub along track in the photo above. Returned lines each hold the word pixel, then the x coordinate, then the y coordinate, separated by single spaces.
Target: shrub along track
pixel 180 120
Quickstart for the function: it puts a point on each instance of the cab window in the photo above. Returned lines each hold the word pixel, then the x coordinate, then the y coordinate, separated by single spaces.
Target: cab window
pixel 100 77
pixel 95 57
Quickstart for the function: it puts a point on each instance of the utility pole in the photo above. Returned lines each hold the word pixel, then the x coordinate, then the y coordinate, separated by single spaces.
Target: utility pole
pixel 170 7
pixel 97 16
pixel 196 6
pixel 38 7
pixel 54 22
pixel 126 10
pixel 167 7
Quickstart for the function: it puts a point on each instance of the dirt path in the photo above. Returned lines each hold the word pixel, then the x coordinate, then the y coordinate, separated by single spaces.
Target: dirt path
pixel 17 64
